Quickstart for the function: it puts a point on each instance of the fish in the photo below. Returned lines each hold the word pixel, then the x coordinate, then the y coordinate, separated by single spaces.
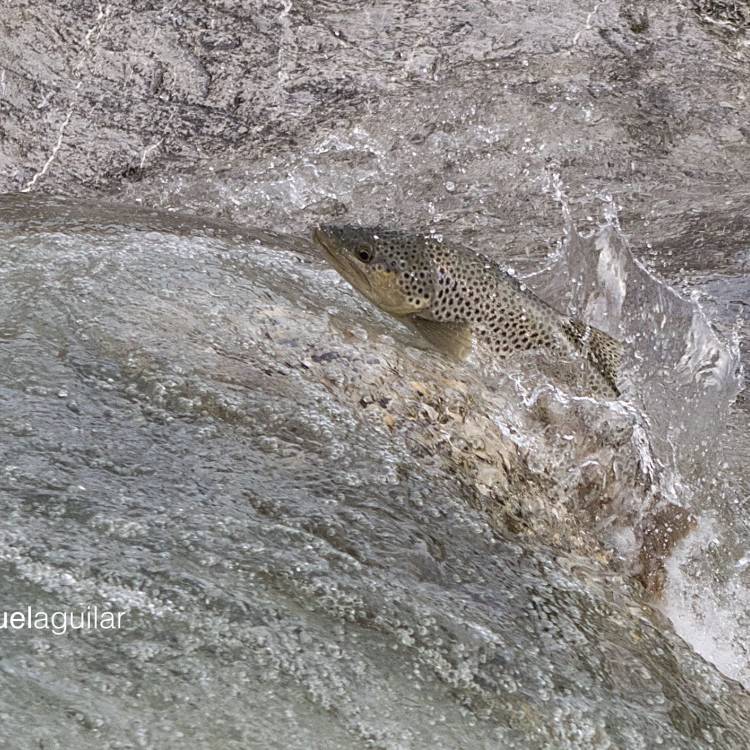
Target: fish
pixel 454 297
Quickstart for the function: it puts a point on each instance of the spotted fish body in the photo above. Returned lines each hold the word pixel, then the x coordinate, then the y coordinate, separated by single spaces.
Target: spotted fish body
pixel 453 296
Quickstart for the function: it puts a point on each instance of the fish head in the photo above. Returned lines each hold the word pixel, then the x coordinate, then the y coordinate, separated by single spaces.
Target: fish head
pixel 392 269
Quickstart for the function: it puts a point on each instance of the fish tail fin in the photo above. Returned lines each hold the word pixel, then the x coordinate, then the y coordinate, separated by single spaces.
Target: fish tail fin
pixel 601 350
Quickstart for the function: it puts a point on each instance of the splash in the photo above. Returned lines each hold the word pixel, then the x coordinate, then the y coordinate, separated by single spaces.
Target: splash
pixel 683 379
pixel 711 614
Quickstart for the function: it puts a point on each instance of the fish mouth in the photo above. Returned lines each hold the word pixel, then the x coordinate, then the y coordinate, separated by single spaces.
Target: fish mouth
pixel 341 261
pixel 323 241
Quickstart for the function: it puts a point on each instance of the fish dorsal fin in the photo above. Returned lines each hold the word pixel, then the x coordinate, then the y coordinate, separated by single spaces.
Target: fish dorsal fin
pixel 454 339
pixel 604 352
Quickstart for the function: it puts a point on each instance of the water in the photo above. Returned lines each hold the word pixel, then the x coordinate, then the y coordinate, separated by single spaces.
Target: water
pixel 318 532
pixel 289 499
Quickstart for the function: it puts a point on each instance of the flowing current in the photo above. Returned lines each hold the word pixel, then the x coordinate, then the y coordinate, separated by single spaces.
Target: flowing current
pixel 318 532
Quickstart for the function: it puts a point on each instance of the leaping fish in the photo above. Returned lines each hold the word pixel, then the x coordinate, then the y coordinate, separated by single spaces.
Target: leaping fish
pixel 453 296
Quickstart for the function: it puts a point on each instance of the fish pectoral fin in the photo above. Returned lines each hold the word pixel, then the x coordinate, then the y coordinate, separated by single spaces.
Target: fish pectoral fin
pixel 454 339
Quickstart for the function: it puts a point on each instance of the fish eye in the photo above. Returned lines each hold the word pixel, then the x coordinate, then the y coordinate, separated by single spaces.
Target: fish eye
pixel 364 253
